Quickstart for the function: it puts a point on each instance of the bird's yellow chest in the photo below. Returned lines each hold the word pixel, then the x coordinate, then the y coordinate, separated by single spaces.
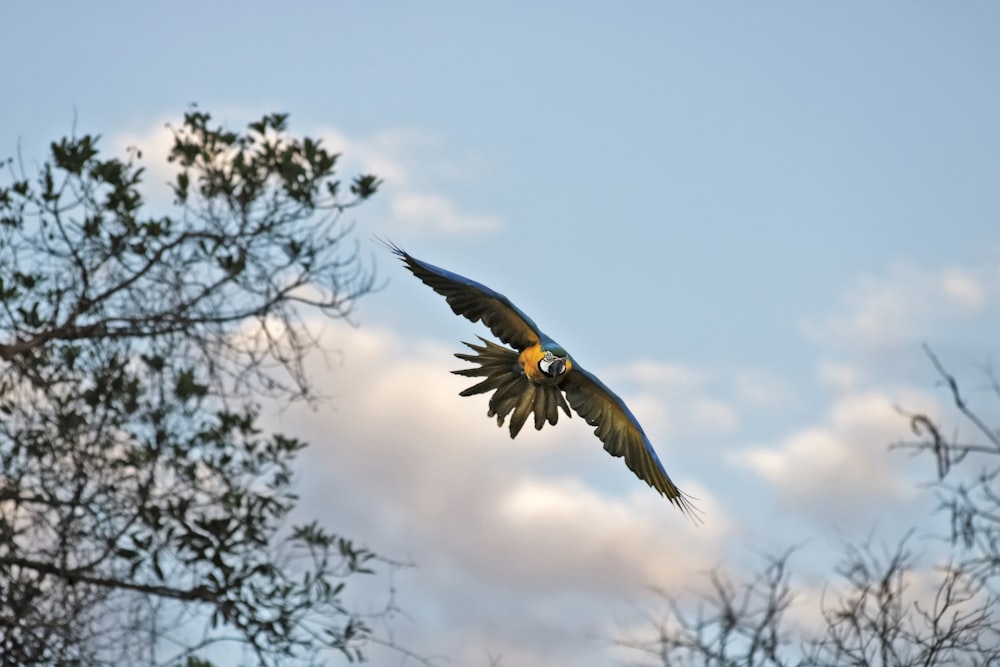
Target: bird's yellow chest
pixel 529 359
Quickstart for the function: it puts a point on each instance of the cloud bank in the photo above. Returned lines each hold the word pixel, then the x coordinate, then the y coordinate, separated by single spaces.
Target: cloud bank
pixel 517 554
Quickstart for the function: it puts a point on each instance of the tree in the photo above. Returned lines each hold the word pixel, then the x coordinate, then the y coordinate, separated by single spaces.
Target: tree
pixel 875 618
pixel 142 508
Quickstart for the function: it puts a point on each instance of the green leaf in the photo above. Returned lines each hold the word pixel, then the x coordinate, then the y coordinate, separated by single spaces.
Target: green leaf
pixel 187 387
pixel 181 189
pixel 72 155
pixel 155 362
pixel 365 186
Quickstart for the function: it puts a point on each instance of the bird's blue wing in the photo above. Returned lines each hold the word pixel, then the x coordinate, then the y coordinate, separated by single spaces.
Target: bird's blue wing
pixel 476 302
pixel 620 432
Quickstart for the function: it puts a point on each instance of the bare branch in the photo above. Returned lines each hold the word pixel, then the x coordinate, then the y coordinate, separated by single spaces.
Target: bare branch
pixel 960 402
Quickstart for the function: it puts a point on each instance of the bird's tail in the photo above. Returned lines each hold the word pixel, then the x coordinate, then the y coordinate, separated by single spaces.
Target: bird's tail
pixel 512 390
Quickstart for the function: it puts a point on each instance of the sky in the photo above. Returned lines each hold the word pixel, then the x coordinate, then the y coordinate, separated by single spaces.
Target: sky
pixel 745 218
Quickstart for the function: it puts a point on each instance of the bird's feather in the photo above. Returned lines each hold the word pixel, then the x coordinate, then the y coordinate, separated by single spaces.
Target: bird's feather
pixel 618 429
pixel 476 302
pixel 512 391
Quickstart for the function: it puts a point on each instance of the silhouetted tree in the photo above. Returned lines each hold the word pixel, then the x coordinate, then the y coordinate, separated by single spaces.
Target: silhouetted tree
pixel 142 509
pixel 873 614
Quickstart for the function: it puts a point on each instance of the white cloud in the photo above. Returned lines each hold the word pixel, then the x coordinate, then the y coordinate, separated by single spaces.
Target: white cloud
pixel 672 400
pixel 906 304
pixel 838 376
pixel 436 213
pixel 841 468
pixel 584 540
pixel 962 288
pixel 380 158
pixel 671 377
pixel 412 469
pixel 875 311
pixel 154 142
pixel 761 388
pixel 405 160
pixel 400 158
pixel 712 416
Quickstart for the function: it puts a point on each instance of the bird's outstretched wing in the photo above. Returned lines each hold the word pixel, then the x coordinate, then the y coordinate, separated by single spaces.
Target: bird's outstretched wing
pixel 620 432
pixel 475 302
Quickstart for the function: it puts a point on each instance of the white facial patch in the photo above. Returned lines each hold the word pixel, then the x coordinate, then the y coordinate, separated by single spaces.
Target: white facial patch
pixel 552 365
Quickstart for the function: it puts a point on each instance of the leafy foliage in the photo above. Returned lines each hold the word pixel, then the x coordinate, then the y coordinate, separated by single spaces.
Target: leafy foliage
pixel 138 495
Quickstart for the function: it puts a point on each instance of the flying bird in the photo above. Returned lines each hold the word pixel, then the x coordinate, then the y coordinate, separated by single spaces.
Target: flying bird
pixel 532 378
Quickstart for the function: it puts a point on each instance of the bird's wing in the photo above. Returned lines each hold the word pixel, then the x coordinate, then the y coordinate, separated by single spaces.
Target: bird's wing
pixel 621 434
pixel 475 302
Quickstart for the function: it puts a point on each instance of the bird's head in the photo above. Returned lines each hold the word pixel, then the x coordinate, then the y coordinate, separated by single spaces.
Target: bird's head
pixel 554 362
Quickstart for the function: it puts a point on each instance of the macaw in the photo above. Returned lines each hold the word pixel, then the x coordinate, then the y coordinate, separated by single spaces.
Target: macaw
pixel 532 378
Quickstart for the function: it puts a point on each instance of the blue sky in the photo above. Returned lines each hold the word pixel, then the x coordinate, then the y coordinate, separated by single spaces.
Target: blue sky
pixel 744 217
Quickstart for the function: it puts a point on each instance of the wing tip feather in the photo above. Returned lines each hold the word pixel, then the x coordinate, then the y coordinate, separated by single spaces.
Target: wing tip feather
pixel 685 503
